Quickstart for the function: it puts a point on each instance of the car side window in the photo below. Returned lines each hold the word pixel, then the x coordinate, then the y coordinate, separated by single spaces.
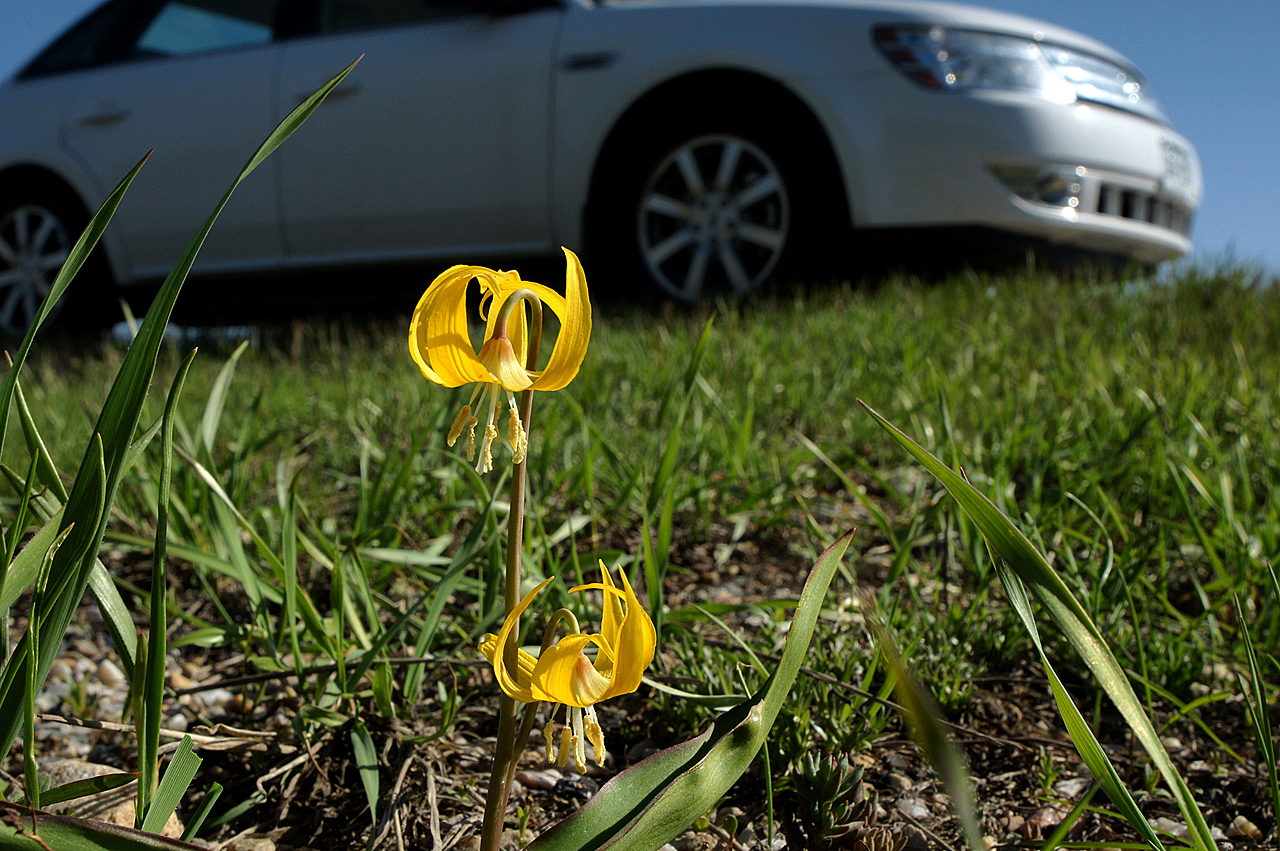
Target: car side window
pixel 202 26
pixel 82 46
pixel 349 15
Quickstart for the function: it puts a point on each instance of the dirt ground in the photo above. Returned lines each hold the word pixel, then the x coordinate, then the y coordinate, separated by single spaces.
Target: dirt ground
pixel 307 793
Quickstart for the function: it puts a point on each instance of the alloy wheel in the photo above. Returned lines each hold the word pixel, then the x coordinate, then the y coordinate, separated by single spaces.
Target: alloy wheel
pixel 713 217
pixel 33 246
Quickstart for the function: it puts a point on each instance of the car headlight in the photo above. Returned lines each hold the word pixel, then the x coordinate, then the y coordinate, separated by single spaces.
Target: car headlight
pixel 959 60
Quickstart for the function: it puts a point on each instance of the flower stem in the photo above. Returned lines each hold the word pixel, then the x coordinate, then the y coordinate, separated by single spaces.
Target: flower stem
pixel 505 753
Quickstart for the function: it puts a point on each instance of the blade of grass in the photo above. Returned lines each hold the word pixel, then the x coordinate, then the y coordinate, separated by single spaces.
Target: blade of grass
pixel 153 676
pixel 177 778
pixel 924 719
pixel 99 475
pixel 1019 560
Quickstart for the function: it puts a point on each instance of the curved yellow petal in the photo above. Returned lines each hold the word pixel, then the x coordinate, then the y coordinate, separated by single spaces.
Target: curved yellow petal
pixel 513 688
pixel 635 645
pixel 628 638
pixel 575 329
pixel 564 675
pixel 488 648
pixel 438 339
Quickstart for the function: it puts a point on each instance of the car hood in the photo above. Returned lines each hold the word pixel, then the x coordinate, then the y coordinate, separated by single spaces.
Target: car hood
pixel 912 11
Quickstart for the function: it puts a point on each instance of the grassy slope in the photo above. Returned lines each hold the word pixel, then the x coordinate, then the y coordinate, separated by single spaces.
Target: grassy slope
pixel 1137 426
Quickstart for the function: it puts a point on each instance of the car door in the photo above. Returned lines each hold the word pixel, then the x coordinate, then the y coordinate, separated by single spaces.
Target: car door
pixel 435 144
pixel 194 84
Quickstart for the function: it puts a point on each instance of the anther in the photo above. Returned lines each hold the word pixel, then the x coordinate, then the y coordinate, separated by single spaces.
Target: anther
pixel 486 449
pixel 472 422
pixel 458 424
pixel 566 745
pixel 548 734
pixel 595 735
pixel 516 437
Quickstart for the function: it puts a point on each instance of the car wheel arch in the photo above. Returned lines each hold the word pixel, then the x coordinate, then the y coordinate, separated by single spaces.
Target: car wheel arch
pixel 766 99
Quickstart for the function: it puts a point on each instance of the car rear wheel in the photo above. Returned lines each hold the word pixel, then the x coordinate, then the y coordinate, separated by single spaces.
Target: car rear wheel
pixel 39 224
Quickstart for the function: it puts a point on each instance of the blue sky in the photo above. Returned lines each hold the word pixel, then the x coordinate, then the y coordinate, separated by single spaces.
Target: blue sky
pixel 1214 68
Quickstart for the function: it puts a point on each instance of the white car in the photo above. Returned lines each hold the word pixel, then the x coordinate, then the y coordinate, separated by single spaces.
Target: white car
pixel 692 146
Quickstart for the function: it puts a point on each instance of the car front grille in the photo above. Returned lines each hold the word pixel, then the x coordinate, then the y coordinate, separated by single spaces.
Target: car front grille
pixel 1154 208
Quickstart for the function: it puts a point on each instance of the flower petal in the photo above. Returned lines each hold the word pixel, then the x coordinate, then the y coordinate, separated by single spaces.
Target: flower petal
pixel 565 675
pixel 636 642
pixel 512 687
pixel 488 648
pixel 438 336
pixel 633 639
pixel 575 328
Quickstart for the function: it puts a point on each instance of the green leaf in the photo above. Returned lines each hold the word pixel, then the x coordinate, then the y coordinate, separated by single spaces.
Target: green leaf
pixel 177 778
pixel 367 764
pixel 84 788
pixel 64 833
pixel 153 676
pixel 202 813
pixel 218 399
pixel 99 474
pixel 924 719
pixel 75 259
pixel 1022 568
pixel 320 715
pixel 654 801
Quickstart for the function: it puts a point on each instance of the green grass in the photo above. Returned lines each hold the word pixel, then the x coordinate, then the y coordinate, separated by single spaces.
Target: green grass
pixel 1133 430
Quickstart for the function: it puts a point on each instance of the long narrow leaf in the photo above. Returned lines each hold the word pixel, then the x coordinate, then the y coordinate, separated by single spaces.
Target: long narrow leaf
pixel 75 259
pixel 93 491
pixel 153 677
pixel 177 778
pixel 924 719
pixel 1025 562
pixel 64 833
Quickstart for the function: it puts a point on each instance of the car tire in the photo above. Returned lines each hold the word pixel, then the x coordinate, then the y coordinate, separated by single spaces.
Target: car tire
pixel 39 224
pixel 715 207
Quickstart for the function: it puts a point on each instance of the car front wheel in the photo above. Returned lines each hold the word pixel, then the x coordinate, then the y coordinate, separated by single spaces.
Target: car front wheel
pixel 713 217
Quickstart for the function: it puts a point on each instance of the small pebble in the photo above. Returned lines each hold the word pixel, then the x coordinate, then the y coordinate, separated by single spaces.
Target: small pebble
pixel 912 808
pixel 545 780
pixel 1171 743
pixel 178 723
pixel 1168 825
pixel 1072 788
pixel 1243 828
pixel 900 781
pixel 109 675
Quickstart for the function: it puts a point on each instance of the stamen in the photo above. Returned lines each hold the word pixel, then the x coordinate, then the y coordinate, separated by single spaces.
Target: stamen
pixel 596 735
pixel 549 735
pixel 566 745
pixel 515 432
pixel 471 438
pixel 579 741
pixel 458 424
pixel 486 449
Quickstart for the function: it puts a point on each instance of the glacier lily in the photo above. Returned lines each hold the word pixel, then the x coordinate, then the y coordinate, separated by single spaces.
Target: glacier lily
pixel 563 674
pixel 440 344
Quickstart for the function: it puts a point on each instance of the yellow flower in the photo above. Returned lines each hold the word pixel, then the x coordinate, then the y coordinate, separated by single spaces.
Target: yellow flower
pixel 563 673
pixel 441 345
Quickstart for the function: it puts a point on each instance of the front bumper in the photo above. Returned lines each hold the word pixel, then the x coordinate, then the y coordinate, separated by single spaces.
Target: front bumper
pixel 941 159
